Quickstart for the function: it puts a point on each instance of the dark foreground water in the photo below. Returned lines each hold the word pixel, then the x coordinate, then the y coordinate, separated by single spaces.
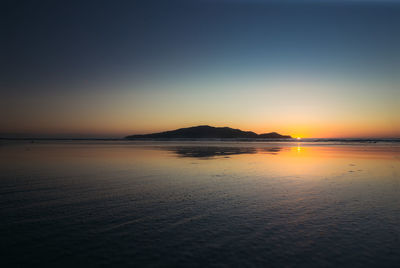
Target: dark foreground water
pixel 199 204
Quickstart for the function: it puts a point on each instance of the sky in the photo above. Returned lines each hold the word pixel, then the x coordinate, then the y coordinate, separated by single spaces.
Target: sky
pixel 318 68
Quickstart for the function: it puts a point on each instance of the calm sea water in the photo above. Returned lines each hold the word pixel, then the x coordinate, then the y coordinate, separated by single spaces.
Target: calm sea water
pixel 199 204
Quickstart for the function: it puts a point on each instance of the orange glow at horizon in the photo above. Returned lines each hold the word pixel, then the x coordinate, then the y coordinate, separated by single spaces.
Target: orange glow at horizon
pixel 306 108
pixel 114 130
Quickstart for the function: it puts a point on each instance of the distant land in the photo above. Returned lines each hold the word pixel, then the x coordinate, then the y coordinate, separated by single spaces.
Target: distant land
pixel 208 132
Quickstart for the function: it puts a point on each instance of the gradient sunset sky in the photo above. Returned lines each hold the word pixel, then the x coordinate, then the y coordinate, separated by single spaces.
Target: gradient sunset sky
pixel 113 68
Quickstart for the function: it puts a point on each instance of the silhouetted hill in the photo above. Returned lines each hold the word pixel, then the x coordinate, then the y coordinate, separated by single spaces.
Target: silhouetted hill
pixel 273 135
pixel 208 132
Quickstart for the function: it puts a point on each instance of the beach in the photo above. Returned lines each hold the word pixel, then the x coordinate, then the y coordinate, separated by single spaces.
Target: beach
pixel 198 203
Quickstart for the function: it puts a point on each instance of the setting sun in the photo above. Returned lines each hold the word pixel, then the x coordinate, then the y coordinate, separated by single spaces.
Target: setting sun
pixel 153 133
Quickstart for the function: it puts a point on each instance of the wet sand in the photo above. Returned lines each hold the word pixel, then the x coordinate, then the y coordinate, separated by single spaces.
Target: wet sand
pixel 200 203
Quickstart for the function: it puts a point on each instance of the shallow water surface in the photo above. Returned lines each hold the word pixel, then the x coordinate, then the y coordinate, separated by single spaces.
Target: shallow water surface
pixel 200 204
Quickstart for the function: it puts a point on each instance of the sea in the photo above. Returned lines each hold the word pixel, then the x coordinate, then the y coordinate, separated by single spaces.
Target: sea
pixel 215 203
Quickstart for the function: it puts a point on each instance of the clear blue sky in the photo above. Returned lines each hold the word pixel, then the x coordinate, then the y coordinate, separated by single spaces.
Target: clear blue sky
pixel 113 68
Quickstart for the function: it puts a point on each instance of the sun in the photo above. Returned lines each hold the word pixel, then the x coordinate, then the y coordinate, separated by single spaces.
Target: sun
pixel 298 138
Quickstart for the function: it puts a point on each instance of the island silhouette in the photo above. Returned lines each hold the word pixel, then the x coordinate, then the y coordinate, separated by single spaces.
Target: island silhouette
pixel 208 132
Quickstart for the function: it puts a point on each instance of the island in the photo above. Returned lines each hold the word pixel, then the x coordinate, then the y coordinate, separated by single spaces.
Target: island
pixel 208 132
